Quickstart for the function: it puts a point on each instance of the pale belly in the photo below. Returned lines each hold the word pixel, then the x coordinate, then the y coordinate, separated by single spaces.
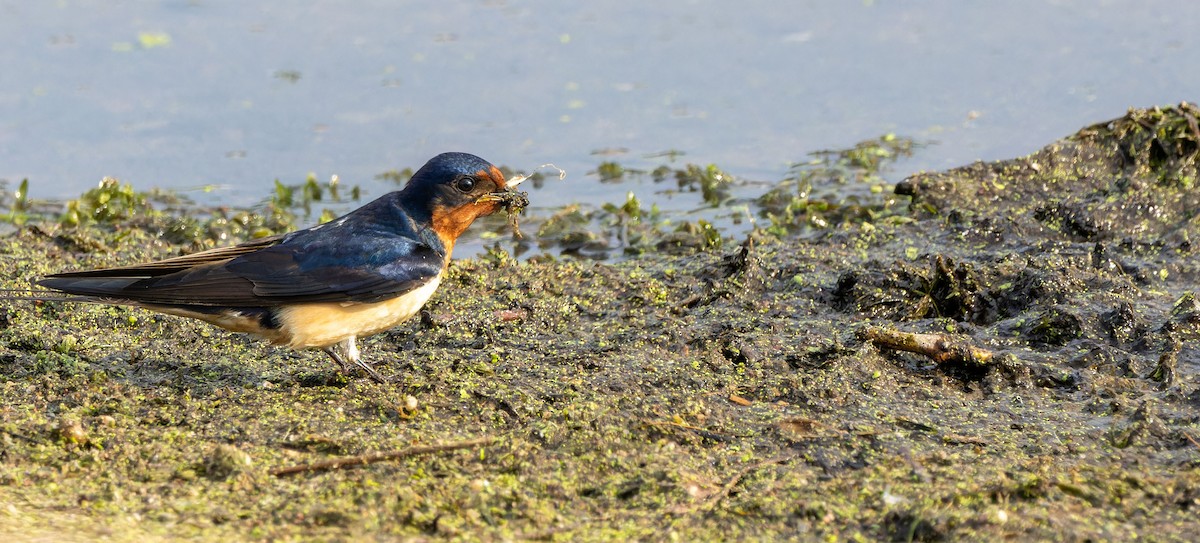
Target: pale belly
pixel 324 324
pixel 321 324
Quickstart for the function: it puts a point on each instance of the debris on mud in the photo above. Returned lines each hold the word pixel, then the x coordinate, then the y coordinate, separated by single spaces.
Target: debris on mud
pixel 941 348
pixel 706 390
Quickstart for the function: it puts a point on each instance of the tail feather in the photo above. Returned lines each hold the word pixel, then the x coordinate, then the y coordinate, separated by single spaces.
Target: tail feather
pixel 89 286
pixel 33 295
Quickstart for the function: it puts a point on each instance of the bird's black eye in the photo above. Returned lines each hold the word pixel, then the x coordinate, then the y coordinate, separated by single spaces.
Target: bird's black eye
pixel 465 184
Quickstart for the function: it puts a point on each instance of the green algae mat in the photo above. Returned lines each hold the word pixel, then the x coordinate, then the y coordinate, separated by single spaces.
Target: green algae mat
pixel 1006 350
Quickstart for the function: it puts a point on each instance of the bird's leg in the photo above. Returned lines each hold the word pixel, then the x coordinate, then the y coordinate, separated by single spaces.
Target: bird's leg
pixel 337 359
pixel 352 355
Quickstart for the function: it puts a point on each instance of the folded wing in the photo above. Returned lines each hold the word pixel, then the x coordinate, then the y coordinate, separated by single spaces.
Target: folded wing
pixel 268 272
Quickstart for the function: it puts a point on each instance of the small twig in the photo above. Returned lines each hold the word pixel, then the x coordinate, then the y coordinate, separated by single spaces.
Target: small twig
pixel 500 404
pixel 712 501
pixel 941 348
pixel 689 301
pixel 1192 439
pixel 32 440
pixel 362 460
pixel 959 439
pixel 918 470
pixel 1191 121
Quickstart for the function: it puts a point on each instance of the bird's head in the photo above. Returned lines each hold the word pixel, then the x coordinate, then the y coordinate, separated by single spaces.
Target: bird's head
pixel 453 189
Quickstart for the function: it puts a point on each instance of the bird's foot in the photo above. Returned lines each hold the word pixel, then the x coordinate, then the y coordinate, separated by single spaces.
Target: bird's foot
pixel 351 358
pixel 378 377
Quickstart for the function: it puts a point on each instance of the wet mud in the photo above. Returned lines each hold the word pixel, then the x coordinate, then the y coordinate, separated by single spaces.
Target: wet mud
pixel 744 389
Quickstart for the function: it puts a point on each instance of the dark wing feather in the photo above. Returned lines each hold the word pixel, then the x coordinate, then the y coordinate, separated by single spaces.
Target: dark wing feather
pixel 371 268
pixel 179 263
pixel 320 266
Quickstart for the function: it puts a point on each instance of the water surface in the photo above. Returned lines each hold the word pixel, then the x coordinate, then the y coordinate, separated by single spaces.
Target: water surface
pixel 184 94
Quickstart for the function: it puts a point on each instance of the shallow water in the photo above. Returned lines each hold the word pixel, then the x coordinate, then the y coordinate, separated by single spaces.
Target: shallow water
pixel 185 94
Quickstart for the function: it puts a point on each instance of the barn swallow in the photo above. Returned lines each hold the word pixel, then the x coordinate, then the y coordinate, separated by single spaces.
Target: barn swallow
pixel 326 286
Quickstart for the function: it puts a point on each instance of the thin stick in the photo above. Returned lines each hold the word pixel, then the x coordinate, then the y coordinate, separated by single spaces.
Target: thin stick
pixel 713 500
pixel 941 348
pixel 364 459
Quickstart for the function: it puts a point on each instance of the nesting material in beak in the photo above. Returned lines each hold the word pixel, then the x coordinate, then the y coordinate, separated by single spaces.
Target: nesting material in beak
pixel 517 179
pixel 512 201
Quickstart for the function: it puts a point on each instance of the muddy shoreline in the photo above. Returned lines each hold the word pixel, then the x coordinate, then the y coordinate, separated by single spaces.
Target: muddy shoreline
pixel 721 389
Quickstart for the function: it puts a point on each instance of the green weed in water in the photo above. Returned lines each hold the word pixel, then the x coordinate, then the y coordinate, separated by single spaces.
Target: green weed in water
pixel 118 205
pixel 18 210
pixel 824 190
pixel 712 183
pixel 610 171
pixel 398 177
pixel 109 203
